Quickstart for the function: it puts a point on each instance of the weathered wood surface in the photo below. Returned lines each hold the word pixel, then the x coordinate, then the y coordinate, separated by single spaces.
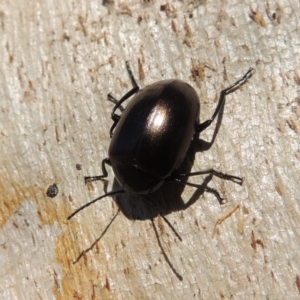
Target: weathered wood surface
pixel 58 61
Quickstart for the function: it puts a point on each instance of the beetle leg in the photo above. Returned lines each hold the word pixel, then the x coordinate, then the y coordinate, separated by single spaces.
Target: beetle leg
pixel 223 93
pixel 112 99
pixel 99 177
pixel 236 179
pixel 134 90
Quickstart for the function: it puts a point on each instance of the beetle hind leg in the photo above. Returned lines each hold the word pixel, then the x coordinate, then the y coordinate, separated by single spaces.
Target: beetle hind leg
pixel 179 178
pixel 235 179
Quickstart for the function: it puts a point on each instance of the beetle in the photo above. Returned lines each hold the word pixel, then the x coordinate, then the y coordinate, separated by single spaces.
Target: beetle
pixel 151 137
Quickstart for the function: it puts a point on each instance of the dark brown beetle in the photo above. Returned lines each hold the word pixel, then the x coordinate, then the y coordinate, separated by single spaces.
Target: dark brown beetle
pixel 151 137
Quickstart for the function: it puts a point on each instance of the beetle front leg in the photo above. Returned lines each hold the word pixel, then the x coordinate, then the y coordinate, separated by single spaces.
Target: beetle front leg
pixel 105 161
pixel 223 93
pixel 134 90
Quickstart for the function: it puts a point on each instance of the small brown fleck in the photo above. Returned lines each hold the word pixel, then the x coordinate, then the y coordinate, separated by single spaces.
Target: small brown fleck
pixel 108 2
pixel 278 190
pixel 187 42
pixel 65 37
pixel 93 293
pixel 76 295
pixel 85 258
pixel 281 127
pixel 97 248
pixel 260 243
pixel 297 155
pixel 187 28
pixel 125 10
pixel 297 77
pixel 257 17
pixel 107 285
pixel 90 186
pixel 111 60
pixel 294 125
pixel 232 21
pixel 56 280
pixel 273 275
pixel 297 111
pixel 275 16
pixel 169 10
pixel 105 38
pixel 123 244
pixel 174 27
pixel 223 218
pixel 141 71
pixel 15 224
pixel 198 73
pixel 298 282
pixel 56 134
pixel 253 241
pixel 160 224
pixel 81 21
pixel 33 239
pixel 26 94
pixel 241 221
pixel 30 85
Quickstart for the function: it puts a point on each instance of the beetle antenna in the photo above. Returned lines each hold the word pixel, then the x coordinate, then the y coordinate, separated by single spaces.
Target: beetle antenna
pixel 93 201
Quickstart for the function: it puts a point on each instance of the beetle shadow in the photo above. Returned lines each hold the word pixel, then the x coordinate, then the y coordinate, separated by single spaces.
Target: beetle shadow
pixel 167 198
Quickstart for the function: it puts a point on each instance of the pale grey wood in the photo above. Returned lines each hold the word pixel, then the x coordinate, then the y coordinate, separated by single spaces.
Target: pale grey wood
pixel 59 59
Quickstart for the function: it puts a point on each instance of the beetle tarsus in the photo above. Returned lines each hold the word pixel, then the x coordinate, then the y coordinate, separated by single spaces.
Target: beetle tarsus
pixel 132 79
pixel 105 161
pixel 239 81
